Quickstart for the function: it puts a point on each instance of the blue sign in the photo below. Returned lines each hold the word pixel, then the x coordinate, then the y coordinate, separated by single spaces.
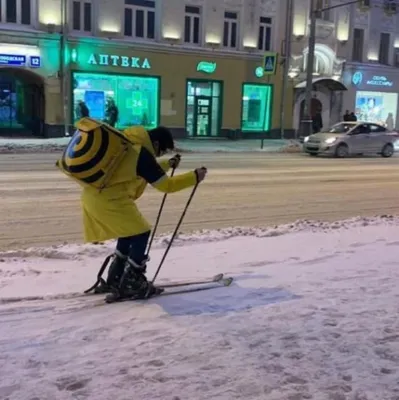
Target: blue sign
pixel 270 63
pixel 35 61
pixel 376 80
pixel 12 59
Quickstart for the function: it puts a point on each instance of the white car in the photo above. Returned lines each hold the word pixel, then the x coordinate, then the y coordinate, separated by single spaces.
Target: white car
pixel 352 138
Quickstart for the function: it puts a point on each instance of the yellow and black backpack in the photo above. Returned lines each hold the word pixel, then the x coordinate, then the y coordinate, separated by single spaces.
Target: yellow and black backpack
pixel 93 153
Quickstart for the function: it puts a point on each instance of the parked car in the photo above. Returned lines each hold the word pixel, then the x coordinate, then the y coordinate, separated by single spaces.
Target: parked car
pixel 352 138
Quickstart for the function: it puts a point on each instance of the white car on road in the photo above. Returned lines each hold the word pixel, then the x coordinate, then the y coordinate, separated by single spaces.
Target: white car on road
pixel 352 138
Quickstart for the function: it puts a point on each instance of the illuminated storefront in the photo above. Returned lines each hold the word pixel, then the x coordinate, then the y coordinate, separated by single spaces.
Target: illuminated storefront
pixel 373 95
pixel 195 96
pixel 136 98
pixel 257 101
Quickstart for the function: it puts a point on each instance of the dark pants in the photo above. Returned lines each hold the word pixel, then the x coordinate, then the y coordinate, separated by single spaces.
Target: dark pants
pixel 134 247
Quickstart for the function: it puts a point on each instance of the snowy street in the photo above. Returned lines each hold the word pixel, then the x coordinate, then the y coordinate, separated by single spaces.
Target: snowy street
pixel 312 314
pixel 40 206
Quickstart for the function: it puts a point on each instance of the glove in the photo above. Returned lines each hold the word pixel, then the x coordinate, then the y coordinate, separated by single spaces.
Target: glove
pixel 201 174
pixel 174 162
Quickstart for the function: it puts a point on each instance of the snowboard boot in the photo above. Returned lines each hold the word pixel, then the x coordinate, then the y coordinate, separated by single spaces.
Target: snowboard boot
pixel 134 284
pixel 115 273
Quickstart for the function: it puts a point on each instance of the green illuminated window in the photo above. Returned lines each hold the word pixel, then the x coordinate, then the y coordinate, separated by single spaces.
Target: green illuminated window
pixel 136 98
pixel 256 107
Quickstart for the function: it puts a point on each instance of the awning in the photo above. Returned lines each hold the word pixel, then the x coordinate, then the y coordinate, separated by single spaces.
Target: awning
pixel 329 83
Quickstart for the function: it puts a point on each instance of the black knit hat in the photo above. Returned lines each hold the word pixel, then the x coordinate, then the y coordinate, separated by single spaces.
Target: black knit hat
pixel 164 138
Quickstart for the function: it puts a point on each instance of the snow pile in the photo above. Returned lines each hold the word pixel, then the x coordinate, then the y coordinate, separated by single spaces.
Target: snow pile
pixel 77 251
pixel 312 315
pixel 293 146
pixel 16 145
pixel 33 145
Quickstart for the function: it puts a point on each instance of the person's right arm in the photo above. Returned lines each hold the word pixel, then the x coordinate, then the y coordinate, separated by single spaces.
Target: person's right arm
pixel 151 172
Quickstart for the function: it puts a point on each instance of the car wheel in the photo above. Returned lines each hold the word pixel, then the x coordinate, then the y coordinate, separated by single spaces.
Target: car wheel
pixel 342 151
pixel 387 150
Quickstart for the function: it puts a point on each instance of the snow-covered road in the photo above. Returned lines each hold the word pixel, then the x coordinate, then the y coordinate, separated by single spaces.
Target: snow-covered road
pixel 312 315
pixel 40 207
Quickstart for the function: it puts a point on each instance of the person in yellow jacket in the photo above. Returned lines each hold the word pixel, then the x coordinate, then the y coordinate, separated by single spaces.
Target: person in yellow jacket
pixel 113 214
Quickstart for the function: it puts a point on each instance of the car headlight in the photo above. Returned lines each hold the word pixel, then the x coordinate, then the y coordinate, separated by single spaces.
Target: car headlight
pixel 306 139
pixel 331 140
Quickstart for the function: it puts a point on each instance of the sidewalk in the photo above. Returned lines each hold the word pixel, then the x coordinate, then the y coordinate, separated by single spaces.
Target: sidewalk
pixel 33 145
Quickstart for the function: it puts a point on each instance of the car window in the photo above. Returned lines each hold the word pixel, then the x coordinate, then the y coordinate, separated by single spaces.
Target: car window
pixel 361 129
pixel 377 128
pixel 339 128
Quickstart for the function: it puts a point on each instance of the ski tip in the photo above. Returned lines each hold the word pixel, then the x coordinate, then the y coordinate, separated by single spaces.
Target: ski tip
pixel 227 281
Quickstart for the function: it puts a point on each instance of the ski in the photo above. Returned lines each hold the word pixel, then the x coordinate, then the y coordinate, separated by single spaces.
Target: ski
pixel 215 279
pixel 223 282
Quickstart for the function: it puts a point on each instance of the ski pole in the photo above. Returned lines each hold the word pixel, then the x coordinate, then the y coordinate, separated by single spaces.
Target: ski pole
pixel 175 232
pixel 158 219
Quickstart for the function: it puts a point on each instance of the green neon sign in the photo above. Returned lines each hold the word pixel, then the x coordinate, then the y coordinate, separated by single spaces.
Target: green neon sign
pixel 206 67
pixel 119 61
pixel 259 72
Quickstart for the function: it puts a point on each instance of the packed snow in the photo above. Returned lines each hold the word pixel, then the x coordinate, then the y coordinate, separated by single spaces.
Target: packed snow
pixel 312 314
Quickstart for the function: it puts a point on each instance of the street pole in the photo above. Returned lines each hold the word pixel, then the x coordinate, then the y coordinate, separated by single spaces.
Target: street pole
pixel 306 128
pixel 287 61
pixel 63 69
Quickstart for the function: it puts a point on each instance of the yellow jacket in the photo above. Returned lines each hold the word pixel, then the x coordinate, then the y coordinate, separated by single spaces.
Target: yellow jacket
pixel 112 212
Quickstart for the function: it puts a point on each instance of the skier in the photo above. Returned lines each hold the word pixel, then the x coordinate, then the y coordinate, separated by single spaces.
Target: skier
pixel 113 214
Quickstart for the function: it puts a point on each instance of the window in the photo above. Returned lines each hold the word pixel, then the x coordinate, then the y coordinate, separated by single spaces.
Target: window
pixel 81 16
pixel 256 107
pixel 377 128
pixel 136 98
pixel 383 54
pixel 390 6
pixel 358 44
pixel 377 107
pixel 140 19
pixel 396 58
pixel 16 12
pixel 265 34
pixel 319 66
pixel 192 25
pixel 230 30
pixel 323 15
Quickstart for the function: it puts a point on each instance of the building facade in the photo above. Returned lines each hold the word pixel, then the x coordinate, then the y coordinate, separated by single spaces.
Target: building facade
pixel 197 67
pixel 356 60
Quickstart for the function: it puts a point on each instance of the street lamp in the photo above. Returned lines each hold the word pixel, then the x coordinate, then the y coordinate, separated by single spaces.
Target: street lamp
pixel 306 128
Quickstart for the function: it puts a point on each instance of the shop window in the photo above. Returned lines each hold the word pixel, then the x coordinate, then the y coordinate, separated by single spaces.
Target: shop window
pixel 81 16
pixel 230 30
pixel 192 25
pixel 383 54
pixel 140 19
pixel 265 34
pixel 16 11
pixel 256 107
pixel 135 98
pixel 377 107
pixel 203 108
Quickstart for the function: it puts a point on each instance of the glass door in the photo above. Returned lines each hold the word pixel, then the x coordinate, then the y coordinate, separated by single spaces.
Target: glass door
pixel 202 116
